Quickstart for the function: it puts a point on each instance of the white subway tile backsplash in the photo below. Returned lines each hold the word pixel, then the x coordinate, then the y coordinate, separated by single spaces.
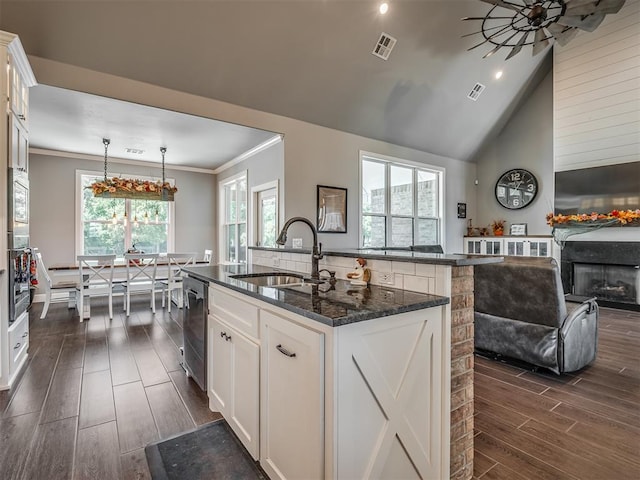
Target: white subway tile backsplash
pixel 416 284
pixel 403 267
pixel 379 265
pixel 425 270
pixel 303 267
pixel 344 262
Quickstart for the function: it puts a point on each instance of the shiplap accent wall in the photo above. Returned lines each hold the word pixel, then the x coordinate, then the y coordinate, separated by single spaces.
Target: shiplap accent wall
pixel 597 94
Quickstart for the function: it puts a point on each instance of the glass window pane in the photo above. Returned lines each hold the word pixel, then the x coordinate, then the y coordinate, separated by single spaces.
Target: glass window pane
pixel 373 231
pixel 230 203
pixel 373 187
pixel 100 208
pixel 426 231
pixel 427 194
pixel 242 238
pixel 230 243
pixel 242 200
pixel 103 238
pixel 401 232
pixel 150 238
pixel 401 195
pixel 267 221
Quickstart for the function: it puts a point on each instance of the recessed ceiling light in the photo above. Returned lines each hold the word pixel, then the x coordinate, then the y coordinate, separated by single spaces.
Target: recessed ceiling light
pixel 498 74
pixel 384 8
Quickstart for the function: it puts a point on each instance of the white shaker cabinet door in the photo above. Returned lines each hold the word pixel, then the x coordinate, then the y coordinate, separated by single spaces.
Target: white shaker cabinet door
pixel 292 403
pixel 234 381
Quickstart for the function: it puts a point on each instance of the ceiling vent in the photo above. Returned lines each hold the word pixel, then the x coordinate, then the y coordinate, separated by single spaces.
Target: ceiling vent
pixel 135 151
pixel 475 92
pixel 384 46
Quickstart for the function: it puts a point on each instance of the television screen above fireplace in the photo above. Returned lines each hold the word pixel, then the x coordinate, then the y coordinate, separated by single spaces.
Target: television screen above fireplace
pixel 598 189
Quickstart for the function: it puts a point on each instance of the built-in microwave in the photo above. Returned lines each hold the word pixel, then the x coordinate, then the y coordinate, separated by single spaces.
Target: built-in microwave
pixel 18 209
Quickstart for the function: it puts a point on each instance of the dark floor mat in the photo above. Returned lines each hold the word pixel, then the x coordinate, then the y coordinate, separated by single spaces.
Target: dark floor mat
pixel 211 451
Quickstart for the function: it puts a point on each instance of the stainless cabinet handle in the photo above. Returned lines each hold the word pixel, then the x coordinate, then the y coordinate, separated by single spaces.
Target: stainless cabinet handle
pixel 17 346
pixel 22 117
pixel 284 351
pixel 223 334
pixel 25 334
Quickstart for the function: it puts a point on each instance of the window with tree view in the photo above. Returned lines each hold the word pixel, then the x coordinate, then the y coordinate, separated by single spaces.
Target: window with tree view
pixel 401 204
pixel 234 219
pixel 115 225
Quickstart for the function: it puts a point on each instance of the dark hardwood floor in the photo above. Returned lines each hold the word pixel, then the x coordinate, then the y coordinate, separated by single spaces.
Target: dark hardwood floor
pixel 584 425
pixel 95 393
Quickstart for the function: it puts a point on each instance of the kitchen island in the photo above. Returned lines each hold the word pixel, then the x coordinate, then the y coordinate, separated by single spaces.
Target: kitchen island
pixel 334 381
pixel 440 274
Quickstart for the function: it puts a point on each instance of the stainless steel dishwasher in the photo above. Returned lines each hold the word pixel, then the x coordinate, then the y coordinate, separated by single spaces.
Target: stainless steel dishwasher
pixel 194 329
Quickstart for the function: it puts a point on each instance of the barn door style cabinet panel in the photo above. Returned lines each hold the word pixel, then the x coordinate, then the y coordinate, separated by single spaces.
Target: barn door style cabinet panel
pixel 539 246
pixel 14 153
pixel 368 399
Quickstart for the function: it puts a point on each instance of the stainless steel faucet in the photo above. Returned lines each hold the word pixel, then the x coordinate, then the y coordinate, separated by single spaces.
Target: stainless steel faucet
pixel 316 253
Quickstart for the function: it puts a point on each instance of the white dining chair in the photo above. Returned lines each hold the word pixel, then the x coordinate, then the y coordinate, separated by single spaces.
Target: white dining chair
pixel 208 257
pixel 68 287
pixel 176 262
pixel 142 269
pixel 96 278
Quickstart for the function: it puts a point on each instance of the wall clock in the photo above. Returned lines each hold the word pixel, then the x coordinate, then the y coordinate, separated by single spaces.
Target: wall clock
pixel 516 188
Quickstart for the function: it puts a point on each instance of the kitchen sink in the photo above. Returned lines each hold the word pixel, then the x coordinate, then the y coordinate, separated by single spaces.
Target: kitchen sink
pixel 271 279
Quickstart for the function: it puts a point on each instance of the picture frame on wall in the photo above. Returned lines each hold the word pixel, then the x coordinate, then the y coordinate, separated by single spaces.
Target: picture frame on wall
pixel 518 229
pixel 331 208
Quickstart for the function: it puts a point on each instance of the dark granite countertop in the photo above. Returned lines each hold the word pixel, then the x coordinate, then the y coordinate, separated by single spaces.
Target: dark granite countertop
pixel 333 305
pixel 457 260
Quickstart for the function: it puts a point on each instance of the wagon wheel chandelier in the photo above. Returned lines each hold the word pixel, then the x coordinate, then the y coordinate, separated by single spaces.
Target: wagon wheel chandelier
pixel 517 23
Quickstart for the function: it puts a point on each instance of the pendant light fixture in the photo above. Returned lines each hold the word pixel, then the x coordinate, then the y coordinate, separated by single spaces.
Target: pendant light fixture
pixel 116 187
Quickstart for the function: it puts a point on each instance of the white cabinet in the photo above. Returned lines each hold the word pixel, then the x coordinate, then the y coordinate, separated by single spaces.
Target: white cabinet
pixel 483 246
pixel 528 247
pixel 16 78
pixel 18 90
pixel 18 343
pixel 18 145
pixel 369 399
pixel 512 246
pixel 234 379
pixel 292 410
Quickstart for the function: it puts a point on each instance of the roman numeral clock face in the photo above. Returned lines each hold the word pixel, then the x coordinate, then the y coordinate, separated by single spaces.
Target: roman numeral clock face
pixel 516 189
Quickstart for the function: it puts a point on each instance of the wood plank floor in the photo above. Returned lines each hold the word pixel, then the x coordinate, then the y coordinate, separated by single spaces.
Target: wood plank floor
pixel 584 425
pixel 94 393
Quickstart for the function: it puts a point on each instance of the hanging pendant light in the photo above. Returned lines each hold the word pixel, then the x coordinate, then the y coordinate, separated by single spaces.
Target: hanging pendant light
pixel 157 216
pixel 135 221
pixel 124 219
pixel 114 218
pixel 116 187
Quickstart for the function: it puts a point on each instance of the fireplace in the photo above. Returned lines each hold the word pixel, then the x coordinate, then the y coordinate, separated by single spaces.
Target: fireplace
pixel 609 271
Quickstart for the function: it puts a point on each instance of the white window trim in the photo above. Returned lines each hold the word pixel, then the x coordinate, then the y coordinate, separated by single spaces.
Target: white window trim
pixel 79 244
pixel 255 191
pixel 363 154
pixel 221 214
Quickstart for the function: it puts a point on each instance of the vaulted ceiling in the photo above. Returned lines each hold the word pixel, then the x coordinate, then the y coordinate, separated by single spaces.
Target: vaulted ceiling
pixel 305 59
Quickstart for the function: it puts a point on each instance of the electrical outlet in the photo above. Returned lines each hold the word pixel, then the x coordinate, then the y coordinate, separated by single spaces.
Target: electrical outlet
pixel 296 242
pixel 386 278
pixel 275 261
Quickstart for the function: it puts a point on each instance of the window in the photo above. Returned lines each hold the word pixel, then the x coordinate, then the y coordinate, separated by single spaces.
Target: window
pixel 148 225
pixel 267 217
pixel 401 204
pixel 233 204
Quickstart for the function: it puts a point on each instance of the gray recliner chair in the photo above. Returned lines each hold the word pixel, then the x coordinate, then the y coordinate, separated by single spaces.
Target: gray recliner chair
pixel 520 312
